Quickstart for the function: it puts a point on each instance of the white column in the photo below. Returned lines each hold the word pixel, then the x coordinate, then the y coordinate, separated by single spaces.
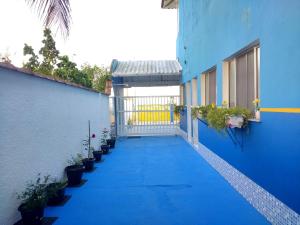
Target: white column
pixel 120 117
pixel 188 105
pixel 195 103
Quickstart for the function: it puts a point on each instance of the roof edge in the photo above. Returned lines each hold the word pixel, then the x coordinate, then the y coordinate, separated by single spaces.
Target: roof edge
pixel 172 4
pixel 43 76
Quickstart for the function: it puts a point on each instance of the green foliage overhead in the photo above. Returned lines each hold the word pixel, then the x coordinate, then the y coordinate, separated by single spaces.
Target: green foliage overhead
pixel 68 70
pixel 53 13
pixel 35 194
pixel 98 74
pixel 49 53
pixel 178 109
pixel 33 62
pixel 62 67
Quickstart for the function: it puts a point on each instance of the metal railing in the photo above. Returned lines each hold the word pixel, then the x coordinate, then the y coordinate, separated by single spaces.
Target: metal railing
pixel 146 115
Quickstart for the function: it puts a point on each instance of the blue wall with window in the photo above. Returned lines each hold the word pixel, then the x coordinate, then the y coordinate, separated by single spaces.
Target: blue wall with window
pixel 212 30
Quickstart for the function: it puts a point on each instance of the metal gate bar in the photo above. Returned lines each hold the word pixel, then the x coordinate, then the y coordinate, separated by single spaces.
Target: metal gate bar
pixel 146 115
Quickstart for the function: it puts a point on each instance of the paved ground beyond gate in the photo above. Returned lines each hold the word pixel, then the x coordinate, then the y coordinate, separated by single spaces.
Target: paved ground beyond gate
pixel 155 181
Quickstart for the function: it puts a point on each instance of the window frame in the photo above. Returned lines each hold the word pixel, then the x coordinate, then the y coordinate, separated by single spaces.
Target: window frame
pixel 205 88
pixel 232 60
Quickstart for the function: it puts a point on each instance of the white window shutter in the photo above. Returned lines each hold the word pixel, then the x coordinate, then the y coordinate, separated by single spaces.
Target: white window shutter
pixel 202 89
pixel 225 83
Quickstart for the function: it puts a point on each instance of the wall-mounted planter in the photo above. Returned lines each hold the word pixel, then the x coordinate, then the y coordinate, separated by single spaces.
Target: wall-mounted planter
pixel 235 121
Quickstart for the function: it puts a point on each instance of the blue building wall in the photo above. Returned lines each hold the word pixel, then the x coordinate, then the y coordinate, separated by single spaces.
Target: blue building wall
pixel 212 30
pixel 183 120
pixel 270 155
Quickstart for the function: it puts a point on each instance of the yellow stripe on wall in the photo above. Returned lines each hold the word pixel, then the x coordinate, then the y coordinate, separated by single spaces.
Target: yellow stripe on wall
pixel 285 110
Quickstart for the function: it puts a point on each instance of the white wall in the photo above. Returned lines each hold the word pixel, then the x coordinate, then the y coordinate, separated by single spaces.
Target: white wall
pixel 42 123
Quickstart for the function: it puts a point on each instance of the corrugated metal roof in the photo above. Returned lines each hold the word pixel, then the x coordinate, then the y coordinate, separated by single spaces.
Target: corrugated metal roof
pixel 169 4
pixel 145 68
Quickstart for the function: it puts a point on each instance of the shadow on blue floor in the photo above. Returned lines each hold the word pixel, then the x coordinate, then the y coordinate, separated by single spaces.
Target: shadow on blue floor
pixel 155 181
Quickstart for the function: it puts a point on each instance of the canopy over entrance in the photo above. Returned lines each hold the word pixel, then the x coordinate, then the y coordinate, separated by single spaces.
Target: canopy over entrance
pixel 146 73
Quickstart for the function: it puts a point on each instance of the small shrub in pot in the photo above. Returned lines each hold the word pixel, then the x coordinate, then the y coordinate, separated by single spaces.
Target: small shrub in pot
pixel 89 161
pixel 111 141
pixel 97 155
pixel 74 170
pixel 104 144
pixel 56 192
pixel 33 201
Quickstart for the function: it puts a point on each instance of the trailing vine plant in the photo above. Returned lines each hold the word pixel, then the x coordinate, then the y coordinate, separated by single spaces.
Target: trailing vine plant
pixel 217 117
pixel 178 109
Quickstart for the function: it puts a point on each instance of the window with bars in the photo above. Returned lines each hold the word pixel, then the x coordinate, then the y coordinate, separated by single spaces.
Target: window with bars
pixel 243 78
pixel 208 87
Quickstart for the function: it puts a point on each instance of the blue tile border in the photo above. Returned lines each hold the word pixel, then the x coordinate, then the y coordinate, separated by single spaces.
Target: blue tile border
pixel 268 205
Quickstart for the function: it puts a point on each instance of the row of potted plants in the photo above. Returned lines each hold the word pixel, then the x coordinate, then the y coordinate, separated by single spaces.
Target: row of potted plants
pixel 220 117
pixel 48 191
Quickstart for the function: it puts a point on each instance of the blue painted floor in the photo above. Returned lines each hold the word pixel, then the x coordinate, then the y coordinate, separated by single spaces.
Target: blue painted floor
pixel 155 181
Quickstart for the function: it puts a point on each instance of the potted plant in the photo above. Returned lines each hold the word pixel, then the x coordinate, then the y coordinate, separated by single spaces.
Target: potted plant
pixel 220 118
pixel 33 201
pixel 256 104
pixel 112 140
pixel 89 161
pixel 104 145
pixel 178 109
pixel 56 192
pixel 74 170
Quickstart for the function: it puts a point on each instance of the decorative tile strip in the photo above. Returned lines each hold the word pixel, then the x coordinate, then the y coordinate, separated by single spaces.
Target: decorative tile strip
pixel 275 211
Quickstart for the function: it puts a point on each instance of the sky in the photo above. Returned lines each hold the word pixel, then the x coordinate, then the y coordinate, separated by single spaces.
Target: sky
pixel 101 30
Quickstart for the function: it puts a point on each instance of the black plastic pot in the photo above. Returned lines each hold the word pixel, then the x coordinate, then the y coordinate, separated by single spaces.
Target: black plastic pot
pixel 88 164
pixel 111 142
pixel 31 216
pixel 97 155
pixel 105 149
pixel 74 174
pixel 57 197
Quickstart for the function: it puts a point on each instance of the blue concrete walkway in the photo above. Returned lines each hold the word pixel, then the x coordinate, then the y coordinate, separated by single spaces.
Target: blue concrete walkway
pixel 155 181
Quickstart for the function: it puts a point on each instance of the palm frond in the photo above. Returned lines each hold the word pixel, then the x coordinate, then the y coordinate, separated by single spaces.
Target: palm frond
pixel 53 13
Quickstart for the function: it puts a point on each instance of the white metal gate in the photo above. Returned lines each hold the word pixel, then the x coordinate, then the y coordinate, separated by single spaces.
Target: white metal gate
pixel 146 115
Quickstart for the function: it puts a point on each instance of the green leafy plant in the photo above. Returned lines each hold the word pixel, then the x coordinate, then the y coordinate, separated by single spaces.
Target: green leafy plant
pixel 201 111
pixel 49 53
pixel 217 117
pixel 87 143
pixel 178 109
pixel 35 194
pixel 33 62
pixel 75 160
pixel 129 122
pixel 112 134
pixel 256 103
pixel 104 136
pixel 55 14
pixel 62 67
pixel 99 76
pixel 54 186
